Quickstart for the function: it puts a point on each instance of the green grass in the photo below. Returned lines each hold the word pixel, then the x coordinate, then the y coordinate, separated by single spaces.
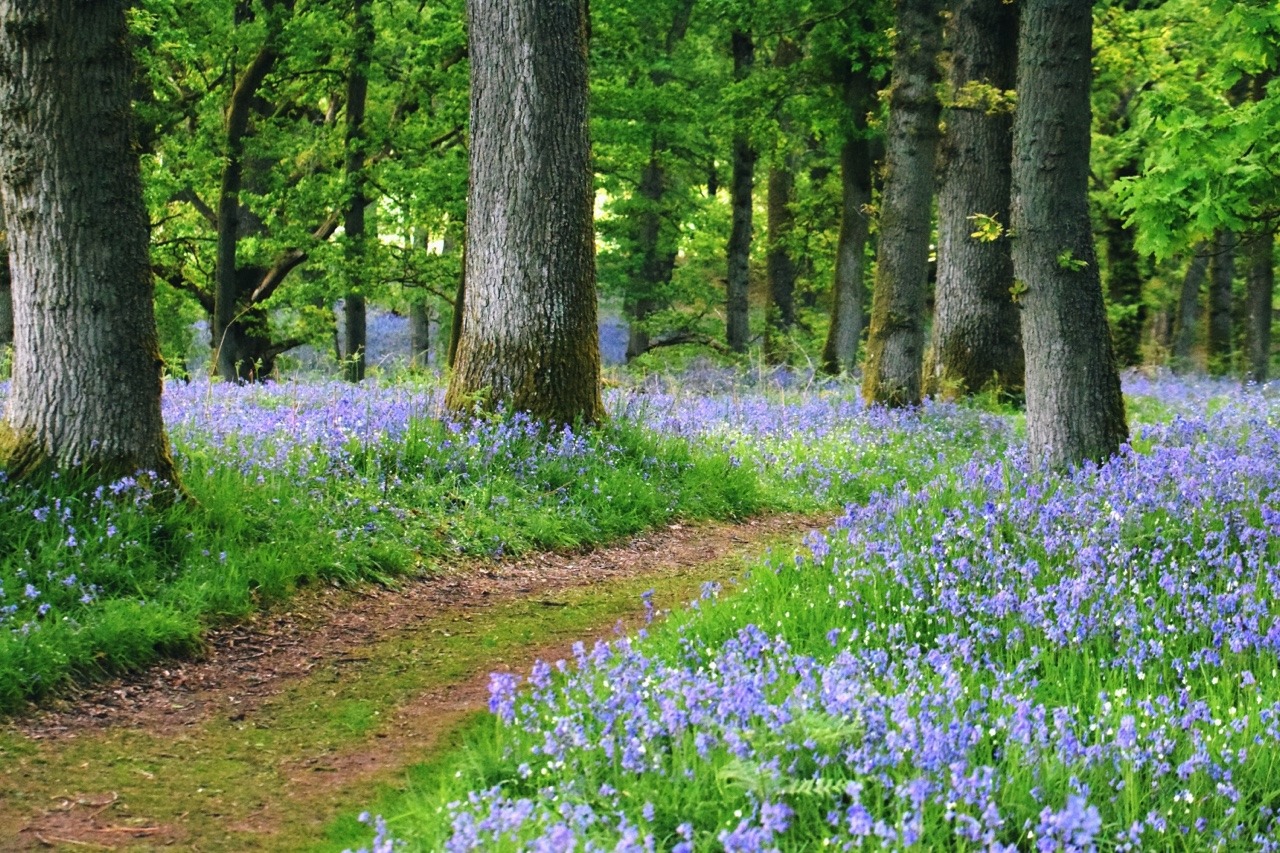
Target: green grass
pixel 158 577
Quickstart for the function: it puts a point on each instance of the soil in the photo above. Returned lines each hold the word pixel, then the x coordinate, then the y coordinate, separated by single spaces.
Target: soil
pixel 264 677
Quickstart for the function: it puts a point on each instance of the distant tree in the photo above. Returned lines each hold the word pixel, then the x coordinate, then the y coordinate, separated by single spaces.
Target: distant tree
pixel 357 176
pixel 741 199
pixel 253 170
pixel 780 262
pixel 1075 411
pixel 976 339
pixel 242 342
pixel 857 88
pixel 1187 319
pixel 87 368
pixel 1222 273
pixel 529 338
pixel 1261 285
pixel 895 343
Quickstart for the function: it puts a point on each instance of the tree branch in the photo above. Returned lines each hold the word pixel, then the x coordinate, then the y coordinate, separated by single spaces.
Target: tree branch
pixel 289 260
pixel 188 194
pixel 175 279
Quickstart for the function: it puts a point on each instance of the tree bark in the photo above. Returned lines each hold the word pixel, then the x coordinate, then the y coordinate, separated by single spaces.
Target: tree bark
pixel 1075 411
pixel 780 266
pixel 419 335
pixel 737 311
pixel 355 334
pixel 1124 284
pixel 6 292
pixel 840 352
pixel 230 345
pixel 1261 289
pixel 1188 317
pixel 895 342
pixel 655 233
pixel 1222 272
pixel 656 245
pixel 976 341
pixel 87 367
pixel 354 313
pixel 529 335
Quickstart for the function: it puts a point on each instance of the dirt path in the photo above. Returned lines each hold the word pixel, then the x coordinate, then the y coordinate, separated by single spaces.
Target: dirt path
pixel 297 716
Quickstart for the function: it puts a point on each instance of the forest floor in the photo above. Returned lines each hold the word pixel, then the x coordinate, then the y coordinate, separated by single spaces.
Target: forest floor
pixel 301 715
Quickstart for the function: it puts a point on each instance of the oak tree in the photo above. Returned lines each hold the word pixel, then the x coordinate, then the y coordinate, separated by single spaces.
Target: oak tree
pixel 1075 411
pixel 87 368
pixel 529 339
pixel 895 342
pixel 976 340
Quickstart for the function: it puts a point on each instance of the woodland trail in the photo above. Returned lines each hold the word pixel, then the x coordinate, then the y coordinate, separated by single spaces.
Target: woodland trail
pixel 297 716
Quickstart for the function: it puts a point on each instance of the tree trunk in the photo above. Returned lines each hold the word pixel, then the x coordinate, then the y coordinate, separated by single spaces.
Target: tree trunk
pixel 1262 283
pixel 840 352
pixel 357 330
pixel 6 292
pixel 455 321
pixel 780 266
pixel 1075 411
pixel 529 335
pixel 231 358
pixel 1124 284
pixel 1222 272
pixel 895 342
pixel 976 341
pixel 419 335
pixel 656 235
pixel 1188 317
pixel 355 334
pixel 737 319
pixel 656 245
pixel 87 367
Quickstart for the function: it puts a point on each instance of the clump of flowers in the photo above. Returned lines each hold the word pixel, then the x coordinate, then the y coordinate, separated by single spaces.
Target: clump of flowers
pixel 1001 658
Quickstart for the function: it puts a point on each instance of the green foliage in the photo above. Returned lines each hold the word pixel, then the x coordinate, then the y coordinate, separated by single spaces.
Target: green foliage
pixel 1068 261
pixel 986 227
pixel 1205 118
pixel 191 57
pixel 977 95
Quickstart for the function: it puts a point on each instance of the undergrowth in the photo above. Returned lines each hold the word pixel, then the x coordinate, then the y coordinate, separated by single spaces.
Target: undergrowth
pixel 294 485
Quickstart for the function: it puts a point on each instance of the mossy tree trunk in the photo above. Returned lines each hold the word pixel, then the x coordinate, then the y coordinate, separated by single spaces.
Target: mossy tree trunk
pixel 976 340
pixel 1222 273
pixel 895 342
pixel 1075 411
pixel 840 351
pixel 529 338
pixel 1261 278
pixel 737 309
pixel 87 368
